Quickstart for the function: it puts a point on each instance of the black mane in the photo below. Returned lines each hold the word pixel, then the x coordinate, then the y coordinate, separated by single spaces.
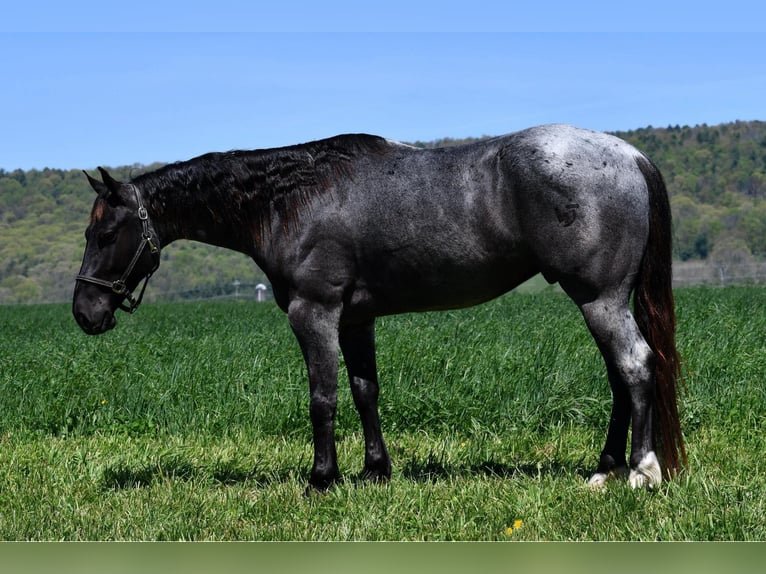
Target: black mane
pixel 275 178
pixel 257 184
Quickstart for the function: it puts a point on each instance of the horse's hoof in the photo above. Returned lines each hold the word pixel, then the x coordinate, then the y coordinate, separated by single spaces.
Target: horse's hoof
pixel 599 479
pixel 376 477
pixel 312 490
pixel 377 472
pixel 318 485
pixel 647 474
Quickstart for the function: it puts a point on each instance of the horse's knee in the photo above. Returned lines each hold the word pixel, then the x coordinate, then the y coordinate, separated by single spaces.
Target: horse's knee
pixel 363 391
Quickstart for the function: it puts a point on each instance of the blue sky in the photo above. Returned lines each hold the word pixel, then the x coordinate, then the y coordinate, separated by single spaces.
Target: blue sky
pixel 97 85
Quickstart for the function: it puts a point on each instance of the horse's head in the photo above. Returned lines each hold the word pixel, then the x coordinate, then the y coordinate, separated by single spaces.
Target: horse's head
pixel 121 250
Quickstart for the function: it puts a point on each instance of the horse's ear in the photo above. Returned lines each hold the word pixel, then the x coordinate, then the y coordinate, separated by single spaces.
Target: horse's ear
pixel 111 184
pixel 97 186
pixel 109 189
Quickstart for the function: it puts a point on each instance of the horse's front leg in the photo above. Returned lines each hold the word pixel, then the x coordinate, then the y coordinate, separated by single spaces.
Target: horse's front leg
pixel 358 346
pixel 316 328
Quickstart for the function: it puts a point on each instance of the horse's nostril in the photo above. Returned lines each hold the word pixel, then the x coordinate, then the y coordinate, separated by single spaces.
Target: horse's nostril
pixel 86 325
pixel 108 322
pixel 82 321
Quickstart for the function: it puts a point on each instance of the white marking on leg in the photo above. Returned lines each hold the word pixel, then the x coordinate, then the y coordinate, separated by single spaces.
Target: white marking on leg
pixel 599 479
pixel 647 474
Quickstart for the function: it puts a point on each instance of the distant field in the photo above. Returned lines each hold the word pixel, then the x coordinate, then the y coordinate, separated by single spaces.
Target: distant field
pixel 190 421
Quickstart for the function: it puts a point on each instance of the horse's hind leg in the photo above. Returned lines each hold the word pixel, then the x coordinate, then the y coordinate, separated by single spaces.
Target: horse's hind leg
pixel 358 346
pixel 629 362
pixel 612 462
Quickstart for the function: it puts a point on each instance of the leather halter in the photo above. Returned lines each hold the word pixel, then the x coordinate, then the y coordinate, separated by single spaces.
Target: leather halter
pixel 120 285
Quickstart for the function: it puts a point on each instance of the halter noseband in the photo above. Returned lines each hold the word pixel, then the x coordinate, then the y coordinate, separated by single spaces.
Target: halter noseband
pixel 120 285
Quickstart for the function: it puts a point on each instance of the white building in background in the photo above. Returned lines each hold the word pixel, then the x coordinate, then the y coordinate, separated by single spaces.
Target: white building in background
pixel 260 292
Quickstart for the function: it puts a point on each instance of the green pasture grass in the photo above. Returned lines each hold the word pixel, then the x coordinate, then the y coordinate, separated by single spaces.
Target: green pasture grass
pixel 190 422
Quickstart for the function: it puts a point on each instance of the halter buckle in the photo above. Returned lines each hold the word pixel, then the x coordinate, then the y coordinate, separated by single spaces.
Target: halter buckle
pixel 119 287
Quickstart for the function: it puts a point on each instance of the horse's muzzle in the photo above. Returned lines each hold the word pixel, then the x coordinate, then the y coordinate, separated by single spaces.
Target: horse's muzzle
pixel 93 322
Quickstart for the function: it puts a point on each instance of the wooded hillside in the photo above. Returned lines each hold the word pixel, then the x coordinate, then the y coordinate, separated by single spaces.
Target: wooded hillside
pixel 716 176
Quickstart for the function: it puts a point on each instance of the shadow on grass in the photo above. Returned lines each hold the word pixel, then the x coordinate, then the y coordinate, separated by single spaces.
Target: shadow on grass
pixel 125 476
pixel 431 470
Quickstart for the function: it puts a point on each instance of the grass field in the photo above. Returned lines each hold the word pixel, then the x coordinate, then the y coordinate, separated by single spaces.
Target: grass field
pixel 190 421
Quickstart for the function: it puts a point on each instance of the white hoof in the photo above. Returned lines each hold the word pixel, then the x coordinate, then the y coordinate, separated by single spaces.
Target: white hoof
pixel 599 479
pixel 647 474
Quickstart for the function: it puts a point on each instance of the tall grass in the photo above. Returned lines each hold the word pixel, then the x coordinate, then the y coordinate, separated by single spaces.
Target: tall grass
pixel 228 367
pixel 190 421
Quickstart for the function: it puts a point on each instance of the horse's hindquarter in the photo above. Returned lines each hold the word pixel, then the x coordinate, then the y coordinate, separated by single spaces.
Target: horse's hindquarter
pixel 582 203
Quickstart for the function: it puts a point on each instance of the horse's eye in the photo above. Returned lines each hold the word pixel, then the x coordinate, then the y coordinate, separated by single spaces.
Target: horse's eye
pixel 106 238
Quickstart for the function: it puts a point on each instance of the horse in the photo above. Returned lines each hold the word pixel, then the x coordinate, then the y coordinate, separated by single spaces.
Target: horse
pixel 354 227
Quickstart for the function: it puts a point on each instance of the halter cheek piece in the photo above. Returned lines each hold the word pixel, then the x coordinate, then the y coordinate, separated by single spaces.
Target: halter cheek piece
pixel 120 285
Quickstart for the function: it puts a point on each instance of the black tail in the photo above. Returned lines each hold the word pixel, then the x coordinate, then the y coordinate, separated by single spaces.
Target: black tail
pixel 654 310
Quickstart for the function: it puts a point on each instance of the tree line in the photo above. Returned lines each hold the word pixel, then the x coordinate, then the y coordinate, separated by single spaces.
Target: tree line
pixel 716 176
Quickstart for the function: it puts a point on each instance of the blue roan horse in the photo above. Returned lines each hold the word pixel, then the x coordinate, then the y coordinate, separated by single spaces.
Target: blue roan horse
pixel 354 227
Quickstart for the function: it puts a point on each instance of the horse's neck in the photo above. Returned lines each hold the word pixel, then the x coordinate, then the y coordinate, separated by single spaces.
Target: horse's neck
pixel 198 212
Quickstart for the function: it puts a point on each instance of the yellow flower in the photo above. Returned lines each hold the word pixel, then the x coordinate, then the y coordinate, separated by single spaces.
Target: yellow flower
pixel 511 529
pixel 103 402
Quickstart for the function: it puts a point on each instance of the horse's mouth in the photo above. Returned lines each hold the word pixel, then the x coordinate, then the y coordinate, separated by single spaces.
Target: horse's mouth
pixel 96 328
